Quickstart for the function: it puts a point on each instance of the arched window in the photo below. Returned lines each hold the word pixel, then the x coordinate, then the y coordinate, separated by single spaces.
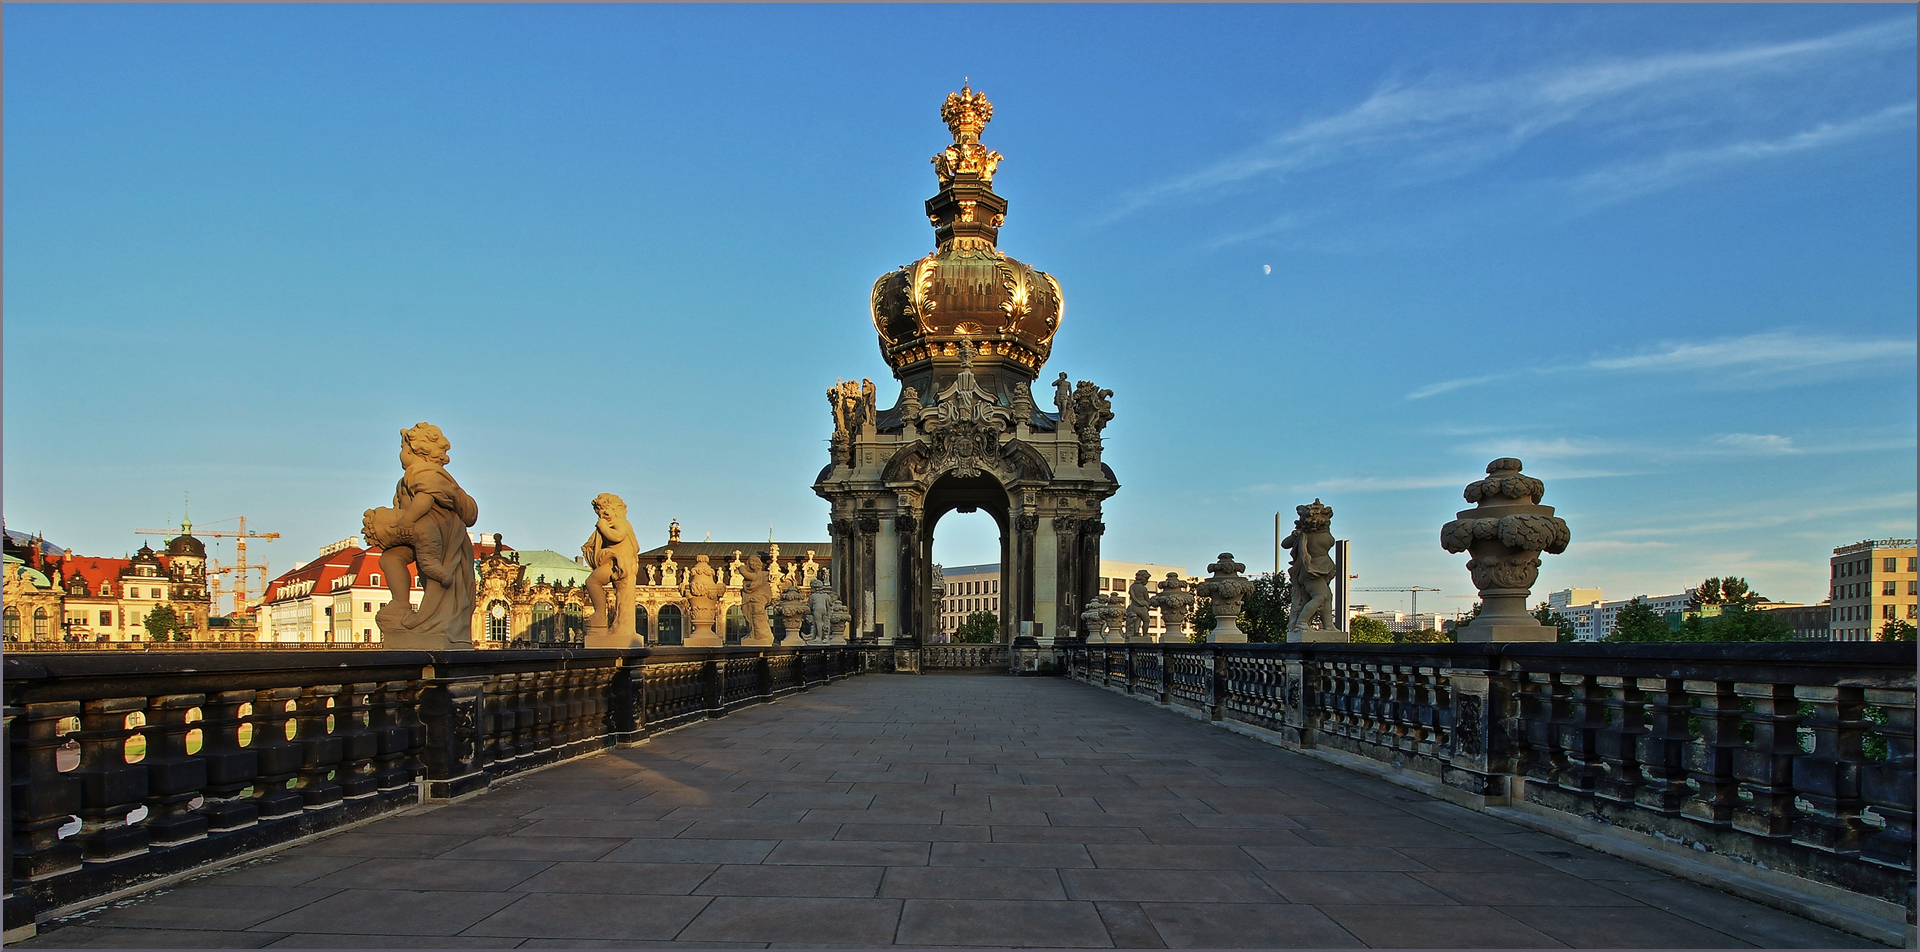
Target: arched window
pixel 542 622
pixel 13 624
pixel 497 621
pixel 736 625
pixel 39 624
pixel 576 623
pixel 640 621
pixel 668 621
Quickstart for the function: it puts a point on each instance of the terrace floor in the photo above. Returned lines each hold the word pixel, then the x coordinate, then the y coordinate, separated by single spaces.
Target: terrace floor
pixel 944 810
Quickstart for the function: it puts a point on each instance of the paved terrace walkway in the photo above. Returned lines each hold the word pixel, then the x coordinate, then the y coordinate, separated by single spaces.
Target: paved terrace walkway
pixel 941 810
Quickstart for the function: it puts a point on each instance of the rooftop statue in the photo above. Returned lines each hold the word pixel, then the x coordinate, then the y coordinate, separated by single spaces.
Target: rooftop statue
pixel 756 594
pixel 426 528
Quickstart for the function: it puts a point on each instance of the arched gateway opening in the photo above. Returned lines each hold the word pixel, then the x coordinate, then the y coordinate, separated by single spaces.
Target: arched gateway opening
pixel 962 494
pixel 966 330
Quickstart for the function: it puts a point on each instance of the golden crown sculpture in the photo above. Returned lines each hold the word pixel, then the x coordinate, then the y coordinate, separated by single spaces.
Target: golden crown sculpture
pixel 966 113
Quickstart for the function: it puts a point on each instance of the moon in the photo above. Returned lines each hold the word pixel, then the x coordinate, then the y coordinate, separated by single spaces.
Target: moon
pixel 1267 268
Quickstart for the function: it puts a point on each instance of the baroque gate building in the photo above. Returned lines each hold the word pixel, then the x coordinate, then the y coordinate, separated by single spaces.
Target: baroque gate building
pixel 966 330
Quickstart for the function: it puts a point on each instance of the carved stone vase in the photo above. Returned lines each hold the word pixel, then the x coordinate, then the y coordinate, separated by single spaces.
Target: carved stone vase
pixel 1505 534
pixel 1227 589
pixel 791 610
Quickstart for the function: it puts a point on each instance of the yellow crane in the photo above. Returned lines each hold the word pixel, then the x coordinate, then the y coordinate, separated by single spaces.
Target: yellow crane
pixel 240 566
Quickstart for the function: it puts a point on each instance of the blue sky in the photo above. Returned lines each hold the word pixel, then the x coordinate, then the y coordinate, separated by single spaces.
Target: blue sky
pixel 1665 255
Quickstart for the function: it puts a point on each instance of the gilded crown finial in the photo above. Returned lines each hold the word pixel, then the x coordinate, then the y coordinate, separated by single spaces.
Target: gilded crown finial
pixel 966 113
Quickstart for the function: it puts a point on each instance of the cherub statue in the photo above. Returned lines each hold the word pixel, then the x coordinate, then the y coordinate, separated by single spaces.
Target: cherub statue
pixel 1312 568
pixel 820 609
pixel 613 551
pixel 756 593
pixel 427 528
pixel 1139 609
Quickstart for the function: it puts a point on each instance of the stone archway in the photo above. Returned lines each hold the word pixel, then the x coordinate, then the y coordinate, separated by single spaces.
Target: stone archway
pixel 951 493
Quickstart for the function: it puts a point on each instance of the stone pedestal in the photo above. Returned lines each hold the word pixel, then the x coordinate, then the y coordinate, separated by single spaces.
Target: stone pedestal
pixel 601 638
pixel 702 632
pixel 1320 635
pixel 1477 632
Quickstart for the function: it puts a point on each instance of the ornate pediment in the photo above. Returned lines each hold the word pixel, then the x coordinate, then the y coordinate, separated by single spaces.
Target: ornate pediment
pixel 964 427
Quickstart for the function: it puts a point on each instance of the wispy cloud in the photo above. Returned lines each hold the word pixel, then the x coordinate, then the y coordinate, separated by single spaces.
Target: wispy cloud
pixel 1764 444
pixel 1766 359
pixel 1632 179
pixel 1438 128
pixel 1561 448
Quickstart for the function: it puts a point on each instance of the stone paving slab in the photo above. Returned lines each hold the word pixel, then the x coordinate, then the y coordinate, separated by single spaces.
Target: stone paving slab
pixel 941 811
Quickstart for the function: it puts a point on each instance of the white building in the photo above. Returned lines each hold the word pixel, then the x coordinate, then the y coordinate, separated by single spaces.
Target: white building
pixel 1593 618
pixel 976 588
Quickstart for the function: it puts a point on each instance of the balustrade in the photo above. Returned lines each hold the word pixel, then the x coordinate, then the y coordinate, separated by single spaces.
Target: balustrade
pixel 1795 757
pixel 124 766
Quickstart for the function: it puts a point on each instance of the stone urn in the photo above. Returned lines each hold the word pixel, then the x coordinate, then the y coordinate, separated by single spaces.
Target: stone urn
pixel 791 610
pixel 1505 533
pixel 1175 603
pixel 1226 588
pixel 1093 620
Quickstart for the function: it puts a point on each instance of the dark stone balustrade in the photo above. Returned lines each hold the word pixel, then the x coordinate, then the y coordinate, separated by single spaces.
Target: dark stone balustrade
pixel 1796 758
pixel 123 767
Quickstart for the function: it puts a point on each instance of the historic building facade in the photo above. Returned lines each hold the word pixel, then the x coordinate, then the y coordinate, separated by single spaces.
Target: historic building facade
pixel 59 596
pixel 966 330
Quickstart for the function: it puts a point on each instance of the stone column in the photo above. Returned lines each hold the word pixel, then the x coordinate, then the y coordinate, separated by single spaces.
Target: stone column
pixel 1020 583
pixel 913 585
pixel 886 558
pixel 1046 580
pixel 863 597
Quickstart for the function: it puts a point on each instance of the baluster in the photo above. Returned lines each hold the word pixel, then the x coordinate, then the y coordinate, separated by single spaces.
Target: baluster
pixel 231 768
pixel 1577 735
pixel 1888 787
pixel 110 788
pixel 279 758
pixel 526 728
pixel 174 777
pixel 1663 747
pixel 393 737
pixel 1828 779
pixel 1543 708
pixel 1765 768
pixel 1618 742
pixel 320 748
pixel 1713 760
pixel 497 715
pixel 353 724
pixel 43 799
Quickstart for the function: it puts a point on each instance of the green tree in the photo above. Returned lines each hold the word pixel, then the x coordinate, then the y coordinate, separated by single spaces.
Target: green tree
pixel 1201 621
pixel 1729 590
pixel 1427 636
pixel 163 624
pixel 1896 630
pixel 1637 621
pixel 1735 623
pixel 1264 615
pixel 1554 619
pixel 980 628
pixel 1370 631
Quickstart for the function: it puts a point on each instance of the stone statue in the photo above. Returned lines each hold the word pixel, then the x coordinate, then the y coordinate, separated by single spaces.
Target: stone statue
pixel 701 592
pixel 1505 534
pixel 1022 404
pixel 1139 607
pixel 1063 401
pixel 1174 601
pixel 1311 571
pixel 756 593
pixel 792 610
pixel 1092 410
pixel 613 552
pixel 909 406
pixel 869 401
pixel 427 528
pixel 939 582
pixel 1227 589
pixel 820 610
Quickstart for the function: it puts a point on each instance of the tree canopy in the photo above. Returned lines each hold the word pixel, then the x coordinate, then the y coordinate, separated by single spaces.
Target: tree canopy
pixel 1264 615
pixel 1896 630
pixel 1728 590
pixel 1637 621
pixel 1369 631
pixel 1554 619
pixel 979 628
pixel 163 624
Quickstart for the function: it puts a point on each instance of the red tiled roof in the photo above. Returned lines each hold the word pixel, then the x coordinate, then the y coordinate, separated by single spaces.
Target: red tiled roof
pixel 100 572
pixel 356 565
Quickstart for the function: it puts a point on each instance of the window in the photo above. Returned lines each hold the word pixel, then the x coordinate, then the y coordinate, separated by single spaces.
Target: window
pixel 1913 565
pixel 576 622
pixel 669 624
pixel 736 625
pixel 376 578
pixel 366 634
pixel 542 629
pixel 329 611
pixel 106 619
pixel 1890 565
pixel 13 624
pixel 1886 611
pixel 1913 587
pixel 153 593
pixel 640 621
pixel 1886 588
pixel 497 621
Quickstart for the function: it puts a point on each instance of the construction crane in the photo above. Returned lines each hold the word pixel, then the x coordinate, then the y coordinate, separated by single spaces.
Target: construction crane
pixel 1414 590
pixel 240 566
